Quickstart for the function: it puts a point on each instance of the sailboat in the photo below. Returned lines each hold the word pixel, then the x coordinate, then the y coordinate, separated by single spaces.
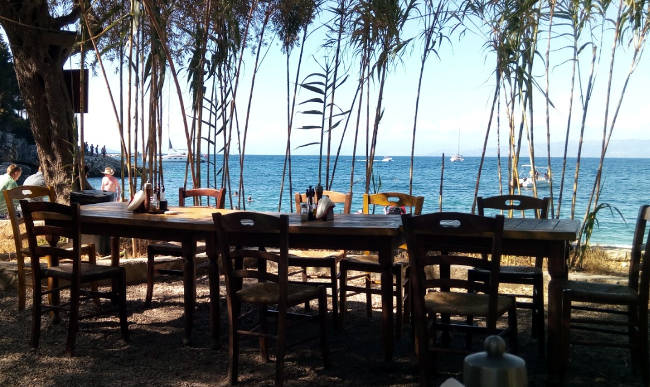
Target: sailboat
pixel 174 155
pixel 457 156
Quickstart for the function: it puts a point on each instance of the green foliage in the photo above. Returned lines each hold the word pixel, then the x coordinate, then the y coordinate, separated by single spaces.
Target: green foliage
pixel 10 99
pixel 588 228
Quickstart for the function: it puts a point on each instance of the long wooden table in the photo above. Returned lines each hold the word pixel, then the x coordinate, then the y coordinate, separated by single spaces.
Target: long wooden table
pixel 350 232
pixel 381 233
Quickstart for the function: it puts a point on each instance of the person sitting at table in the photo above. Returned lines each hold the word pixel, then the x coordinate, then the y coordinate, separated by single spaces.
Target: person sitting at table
pixel 7 182
pixel 35 179
pixel 110 183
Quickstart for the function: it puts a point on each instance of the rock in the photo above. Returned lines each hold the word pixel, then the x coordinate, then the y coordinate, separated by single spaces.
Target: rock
pixel 97 163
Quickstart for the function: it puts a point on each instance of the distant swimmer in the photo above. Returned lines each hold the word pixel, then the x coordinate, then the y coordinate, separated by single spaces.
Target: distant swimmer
pixel 236 193
pixel 250 198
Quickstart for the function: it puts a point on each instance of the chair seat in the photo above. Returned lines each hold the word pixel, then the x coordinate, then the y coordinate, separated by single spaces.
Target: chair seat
pixel 317 254
pixel 173 248
pixel 268 293
pixel 506 273
pixel 89 272
pixel 373 259
pixel 600 292
pixel 466 304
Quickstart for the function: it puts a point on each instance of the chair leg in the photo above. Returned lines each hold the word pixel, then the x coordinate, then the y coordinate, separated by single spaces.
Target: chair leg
pixel 233 339
pixel 263 340
pixel 512 324
pixel 643 344
pixel 368 296
pixel 150 274
pixel 335 294
pixel 92 259
pixel 280 347
pixel 343 285
pixel 21 285
pixel 322 315
pixel 399 300
pixel 124 324
pixel 73 324
pixel 564 335
pixel 538 292
pixel 303 273
pixel 36 310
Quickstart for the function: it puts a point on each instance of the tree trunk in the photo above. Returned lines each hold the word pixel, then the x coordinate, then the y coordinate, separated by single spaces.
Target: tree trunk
pixel 39 54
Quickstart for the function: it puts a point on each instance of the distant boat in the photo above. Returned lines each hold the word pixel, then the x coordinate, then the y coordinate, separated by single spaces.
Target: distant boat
pixel 177 156
pixel 457 156
pixel 387 159
pixel 541 177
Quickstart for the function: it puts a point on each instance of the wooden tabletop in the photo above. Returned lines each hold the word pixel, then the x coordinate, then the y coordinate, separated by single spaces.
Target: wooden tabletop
pixel 200 219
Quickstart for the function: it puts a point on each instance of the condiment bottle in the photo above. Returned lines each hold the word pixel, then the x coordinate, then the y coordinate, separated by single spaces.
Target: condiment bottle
pixel 147 196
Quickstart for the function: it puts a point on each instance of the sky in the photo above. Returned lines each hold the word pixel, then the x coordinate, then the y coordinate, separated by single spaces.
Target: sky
pixel 454 109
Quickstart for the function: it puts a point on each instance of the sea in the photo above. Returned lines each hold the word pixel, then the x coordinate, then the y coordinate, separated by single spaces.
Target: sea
pixel 625 185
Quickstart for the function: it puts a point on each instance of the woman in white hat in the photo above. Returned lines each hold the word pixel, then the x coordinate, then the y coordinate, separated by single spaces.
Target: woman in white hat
pixel 110 183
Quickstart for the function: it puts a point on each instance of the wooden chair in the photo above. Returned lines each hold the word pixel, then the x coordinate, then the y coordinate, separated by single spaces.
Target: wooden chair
pixel 175 249
pixel 63 221
pixel 258 231
pixel 370 263
pixel 322 258
pixel 520 275
pixel 633 296
pixel 22 249
pixel 428 235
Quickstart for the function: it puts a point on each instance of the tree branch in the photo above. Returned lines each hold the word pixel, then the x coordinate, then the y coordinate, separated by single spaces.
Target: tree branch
pixel 70 18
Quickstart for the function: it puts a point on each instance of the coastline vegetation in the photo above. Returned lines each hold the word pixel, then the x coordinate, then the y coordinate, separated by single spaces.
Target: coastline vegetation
pixel 201 46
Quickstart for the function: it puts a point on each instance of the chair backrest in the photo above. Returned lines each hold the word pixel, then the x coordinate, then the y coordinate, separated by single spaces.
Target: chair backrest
pixel 639 265
pixel 14 195
pixel 219 196
pixel 514 202
pixel 428 235
pixel 336 197
pixel 255 231
pixel 59 220
pixel 395 199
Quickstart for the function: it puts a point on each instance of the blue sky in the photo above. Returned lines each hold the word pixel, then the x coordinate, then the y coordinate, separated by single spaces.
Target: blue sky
pixel 456 94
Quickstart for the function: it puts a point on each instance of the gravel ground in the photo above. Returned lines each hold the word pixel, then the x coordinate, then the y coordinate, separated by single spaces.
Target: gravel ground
pixel 155 356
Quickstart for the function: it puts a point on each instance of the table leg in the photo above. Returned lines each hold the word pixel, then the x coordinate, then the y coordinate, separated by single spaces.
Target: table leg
pixel 386 261
pixel 189 282
pixel 115 261
pixel 557 267
pixel 213 273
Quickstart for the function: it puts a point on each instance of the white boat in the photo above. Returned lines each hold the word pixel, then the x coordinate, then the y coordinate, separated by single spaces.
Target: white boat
pixel 541 177
pixel 457 156
pixel 387 159
pixel 177 156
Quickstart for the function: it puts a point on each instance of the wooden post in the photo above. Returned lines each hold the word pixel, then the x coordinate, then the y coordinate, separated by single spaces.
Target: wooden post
pixel 442 176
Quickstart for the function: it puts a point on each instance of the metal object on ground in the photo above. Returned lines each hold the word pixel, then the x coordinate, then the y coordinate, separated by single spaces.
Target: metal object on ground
pixel 494 367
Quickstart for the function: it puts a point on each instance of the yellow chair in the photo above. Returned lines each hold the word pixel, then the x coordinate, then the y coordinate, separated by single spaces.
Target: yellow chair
pixel 370 263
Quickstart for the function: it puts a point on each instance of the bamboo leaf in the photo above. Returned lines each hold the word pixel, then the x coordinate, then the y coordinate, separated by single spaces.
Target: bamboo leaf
pixel 306 145
pixel 312 88
pixel 310 127
pixel 312 112
pixel 319 100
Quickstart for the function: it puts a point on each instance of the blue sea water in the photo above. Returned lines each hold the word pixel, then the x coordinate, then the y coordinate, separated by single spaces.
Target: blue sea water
pixel 626 185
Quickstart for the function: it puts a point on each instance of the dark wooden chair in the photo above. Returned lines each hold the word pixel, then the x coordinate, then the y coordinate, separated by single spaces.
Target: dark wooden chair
pixel 452 294
pixel 600 300
pixel 12 197
pixel 63 221
pixel 368 263
pixel 255 285
pixel 175 249
pixel 520 275
pixel 322 258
